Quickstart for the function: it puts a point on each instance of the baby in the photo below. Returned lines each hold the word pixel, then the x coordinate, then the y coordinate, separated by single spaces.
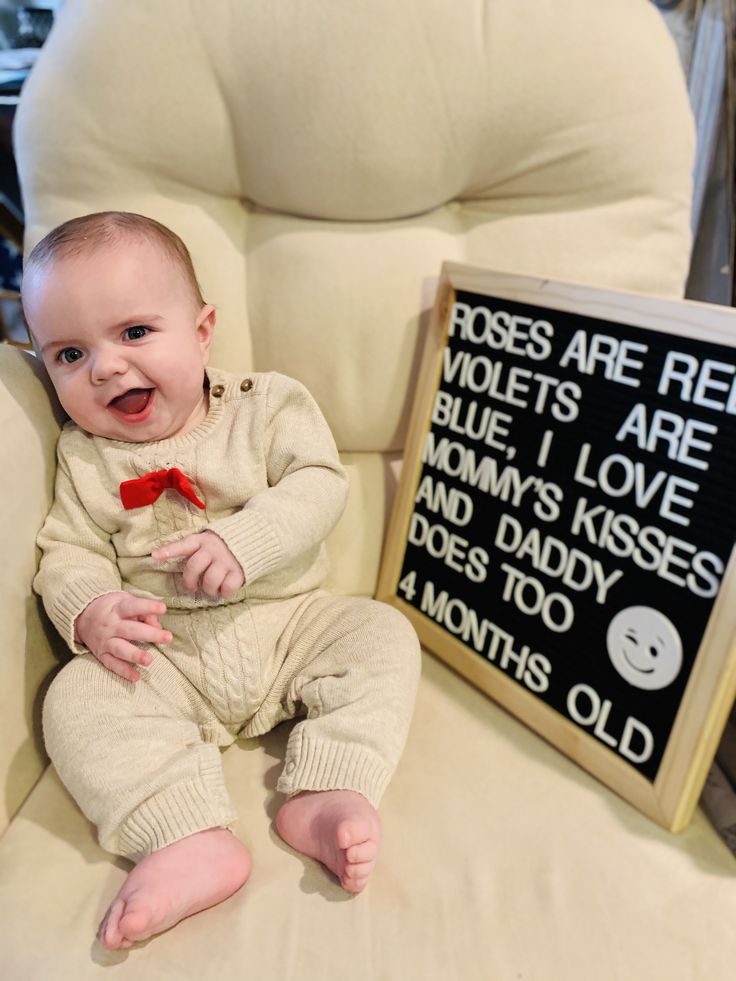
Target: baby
pixel 182 562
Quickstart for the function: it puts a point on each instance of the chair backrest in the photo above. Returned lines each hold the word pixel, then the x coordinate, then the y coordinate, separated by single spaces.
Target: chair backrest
pixel 321 160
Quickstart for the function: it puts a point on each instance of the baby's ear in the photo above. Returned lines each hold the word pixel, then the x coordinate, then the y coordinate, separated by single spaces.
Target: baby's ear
pixel 206 326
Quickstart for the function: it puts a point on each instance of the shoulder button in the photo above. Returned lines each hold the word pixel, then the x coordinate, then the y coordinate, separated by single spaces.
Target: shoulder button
pixel 217 391
pixel 246 385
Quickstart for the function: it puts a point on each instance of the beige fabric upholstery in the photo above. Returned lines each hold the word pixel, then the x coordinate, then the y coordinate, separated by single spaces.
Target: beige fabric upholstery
pixel 322 160
pixel 29 432
pixel 501 860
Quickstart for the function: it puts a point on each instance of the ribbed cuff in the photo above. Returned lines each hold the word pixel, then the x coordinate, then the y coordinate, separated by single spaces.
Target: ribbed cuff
pixel 321 764
pixel 251 538
pixel 175 813
pixel 76 595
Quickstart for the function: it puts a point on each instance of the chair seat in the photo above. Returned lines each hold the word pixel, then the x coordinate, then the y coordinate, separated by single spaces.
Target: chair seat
pixel 615 898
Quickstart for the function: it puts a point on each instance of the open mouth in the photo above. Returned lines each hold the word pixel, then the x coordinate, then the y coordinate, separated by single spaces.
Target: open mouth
pixel 132 403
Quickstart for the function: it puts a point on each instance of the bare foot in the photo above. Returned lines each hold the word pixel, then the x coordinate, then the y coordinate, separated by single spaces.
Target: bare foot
pixel 166 886
pixel 337 827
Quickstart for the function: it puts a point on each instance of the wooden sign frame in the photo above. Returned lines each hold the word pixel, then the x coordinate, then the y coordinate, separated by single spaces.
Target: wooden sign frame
pixel 669 797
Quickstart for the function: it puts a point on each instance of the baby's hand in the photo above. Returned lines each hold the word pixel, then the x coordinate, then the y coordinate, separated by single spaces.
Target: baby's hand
pixel 109 625
pixel 211 565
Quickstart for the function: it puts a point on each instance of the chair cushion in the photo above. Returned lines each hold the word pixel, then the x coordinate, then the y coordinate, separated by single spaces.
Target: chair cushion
pixel 500 859
pixel 323 160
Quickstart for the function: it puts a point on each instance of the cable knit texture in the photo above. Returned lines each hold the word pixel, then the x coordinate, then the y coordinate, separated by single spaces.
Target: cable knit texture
pixel 142 759
pixel 263 461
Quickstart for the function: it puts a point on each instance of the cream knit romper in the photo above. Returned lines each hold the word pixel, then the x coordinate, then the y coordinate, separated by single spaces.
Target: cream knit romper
pixel 142 759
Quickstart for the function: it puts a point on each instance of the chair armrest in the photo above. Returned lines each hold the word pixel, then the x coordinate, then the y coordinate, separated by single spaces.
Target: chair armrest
pixel 29 428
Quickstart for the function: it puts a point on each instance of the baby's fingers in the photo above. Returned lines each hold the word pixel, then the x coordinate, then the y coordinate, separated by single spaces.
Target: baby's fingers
pixel 213 579
pixel 143 632
pixel 123 650
pixel 152 620
pixel 231 584
pixel 194 570
pixel 122 668
pixel 177 550
pixel 134 607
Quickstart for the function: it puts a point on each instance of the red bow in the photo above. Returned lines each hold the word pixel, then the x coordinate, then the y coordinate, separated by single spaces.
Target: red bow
pixel 145 490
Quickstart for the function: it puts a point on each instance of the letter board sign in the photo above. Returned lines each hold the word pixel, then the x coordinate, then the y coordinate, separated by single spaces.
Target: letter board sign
pixel 564 526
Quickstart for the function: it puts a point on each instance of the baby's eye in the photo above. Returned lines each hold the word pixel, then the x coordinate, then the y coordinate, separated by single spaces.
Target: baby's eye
pixel 69 355
pixel 135 333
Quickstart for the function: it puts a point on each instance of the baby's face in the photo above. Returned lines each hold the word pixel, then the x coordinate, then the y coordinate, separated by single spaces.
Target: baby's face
pixel 123 340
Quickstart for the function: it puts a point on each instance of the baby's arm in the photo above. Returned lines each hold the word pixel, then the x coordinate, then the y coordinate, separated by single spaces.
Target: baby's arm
pixel 307 487
pixel 80 584
pixel 306 495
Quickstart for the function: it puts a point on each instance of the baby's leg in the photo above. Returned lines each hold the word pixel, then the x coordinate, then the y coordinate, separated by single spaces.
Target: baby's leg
pixel 133 758
pixel 354 666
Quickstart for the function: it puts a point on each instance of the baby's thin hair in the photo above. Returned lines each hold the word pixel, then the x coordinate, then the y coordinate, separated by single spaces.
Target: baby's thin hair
pixel 80 235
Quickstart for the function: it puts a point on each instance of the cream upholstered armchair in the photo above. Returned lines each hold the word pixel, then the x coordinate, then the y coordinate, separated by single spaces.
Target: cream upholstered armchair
pixel 322 160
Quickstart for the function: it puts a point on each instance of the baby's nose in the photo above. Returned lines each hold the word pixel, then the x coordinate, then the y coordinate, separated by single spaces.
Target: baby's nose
pixel 107 362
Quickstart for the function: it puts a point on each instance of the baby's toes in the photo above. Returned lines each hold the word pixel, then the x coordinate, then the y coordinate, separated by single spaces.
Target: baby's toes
pixel 109 930
pixel 355 877
pixel 366 851
pixel 137 923
pixel 358 870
